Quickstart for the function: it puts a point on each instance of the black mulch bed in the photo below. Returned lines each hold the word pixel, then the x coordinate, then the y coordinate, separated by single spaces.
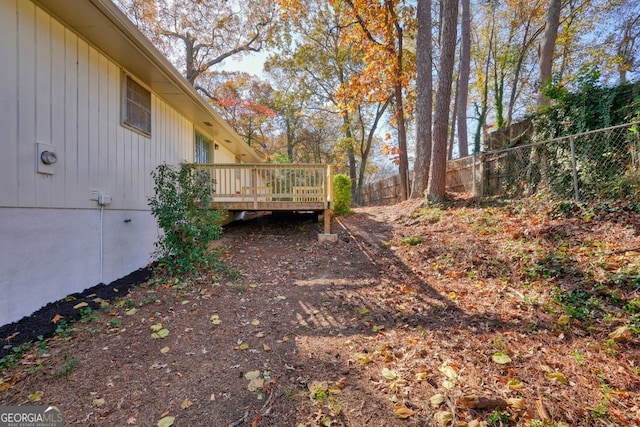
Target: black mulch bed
pixel 29 328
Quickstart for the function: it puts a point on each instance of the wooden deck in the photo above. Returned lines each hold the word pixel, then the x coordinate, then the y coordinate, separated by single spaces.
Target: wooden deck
pixel 272 187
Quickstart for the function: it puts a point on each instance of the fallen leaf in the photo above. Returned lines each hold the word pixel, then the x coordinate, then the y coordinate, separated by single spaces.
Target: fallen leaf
pixel 98 403
pixel 251 375
pixel 80 305
pixel 515 384
pixel 266 347
pixel 256 384
pixel 56 318
pixel 333 389
pixel 131 311
pixel 436 400
pixel 5 385
pixel 36 396
pixel 402 412
pixel 164 350
pixel 448 372
pixel 243 346
pixel 397 384
pixel 255 322
pixel 559 377
pixel 317 387
pixel 623 333
pixel 389 374
pixel 186 404
pixel 363 358
pixel 377 328
pixel 215 319
pixel 501 358
pixel 420 376
pixel 162 333
pixel 285 339
pixel 443 418
pixel 166 421
pixel 563 320
pixel 448 384
pixel 260 335
pixel 156 327
pixel 516 403
pixel 281 297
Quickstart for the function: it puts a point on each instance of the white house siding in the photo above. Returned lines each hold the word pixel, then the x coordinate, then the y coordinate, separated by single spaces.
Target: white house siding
pixel 57 89
pixel 223 155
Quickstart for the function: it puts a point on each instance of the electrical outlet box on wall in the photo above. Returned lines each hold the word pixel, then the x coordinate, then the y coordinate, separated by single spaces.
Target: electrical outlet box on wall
pixel 46 158
pixel 104 199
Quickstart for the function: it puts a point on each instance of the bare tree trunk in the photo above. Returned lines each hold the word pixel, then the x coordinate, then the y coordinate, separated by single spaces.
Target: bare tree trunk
pixel 452 131
pixel 402 127
pixel 482 109
pixel 351 156
pixel 526 43
pixel 403 164
pixel 437 173
pixel 463 79
pixel 548 47
pixel 366 148
pixel 424 96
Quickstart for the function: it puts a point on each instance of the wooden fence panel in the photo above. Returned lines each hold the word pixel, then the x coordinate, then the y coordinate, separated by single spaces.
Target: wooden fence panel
pixel 459 179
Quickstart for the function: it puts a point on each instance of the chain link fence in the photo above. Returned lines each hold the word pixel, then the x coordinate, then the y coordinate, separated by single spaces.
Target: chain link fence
pixel 588 167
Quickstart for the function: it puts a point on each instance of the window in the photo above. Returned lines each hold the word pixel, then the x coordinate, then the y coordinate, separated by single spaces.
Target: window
pixel 202 150
pixel 137 106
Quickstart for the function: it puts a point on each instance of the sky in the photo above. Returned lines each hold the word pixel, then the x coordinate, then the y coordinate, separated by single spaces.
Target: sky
pixel 251 63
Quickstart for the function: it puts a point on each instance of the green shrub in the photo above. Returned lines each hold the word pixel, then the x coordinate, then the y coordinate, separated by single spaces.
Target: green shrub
pixel 181 206
pixel 341 194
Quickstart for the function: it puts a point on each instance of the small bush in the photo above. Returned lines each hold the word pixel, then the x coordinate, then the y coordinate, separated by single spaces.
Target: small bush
pixel 181 206
pixel 341 194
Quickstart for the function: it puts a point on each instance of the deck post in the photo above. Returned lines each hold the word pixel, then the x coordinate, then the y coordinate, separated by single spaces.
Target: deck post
pixel 328 198
pixel 254 186
pixel 327 221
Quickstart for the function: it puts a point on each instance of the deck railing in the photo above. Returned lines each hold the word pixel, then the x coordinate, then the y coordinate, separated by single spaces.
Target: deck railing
pixel 245 186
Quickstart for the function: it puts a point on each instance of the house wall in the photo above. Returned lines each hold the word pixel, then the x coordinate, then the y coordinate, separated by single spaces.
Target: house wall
pixel 58 90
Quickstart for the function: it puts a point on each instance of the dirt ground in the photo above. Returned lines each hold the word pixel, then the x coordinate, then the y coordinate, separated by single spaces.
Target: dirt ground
pixel 415 316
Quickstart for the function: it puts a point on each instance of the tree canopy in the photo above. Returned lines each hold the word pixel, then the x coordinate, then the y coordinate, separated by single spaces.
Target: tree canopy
pixel 342 84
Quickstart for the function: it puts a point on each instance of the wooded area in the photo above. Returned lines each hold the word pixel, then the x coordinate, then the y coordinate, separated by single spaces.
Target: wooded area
pixel 350 82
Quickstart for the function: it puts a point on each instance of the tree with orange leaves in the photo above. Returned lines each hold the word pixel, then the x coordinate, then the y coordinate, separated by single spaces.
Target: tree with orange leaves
pixel 378 29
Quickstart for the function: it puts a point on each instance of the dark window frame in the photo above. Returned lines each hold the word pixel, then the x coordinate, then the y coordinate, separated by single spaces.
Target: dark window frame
pixel 136 106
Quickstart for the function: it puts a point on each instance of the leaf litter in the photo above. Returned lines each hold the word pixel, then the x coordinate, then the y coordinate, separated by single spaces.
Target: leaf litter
pixel 491 312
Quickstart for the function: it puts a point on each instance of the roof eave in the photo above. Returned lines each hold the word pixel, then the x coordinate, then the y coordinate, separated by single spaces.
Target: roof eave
pixel 103 25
